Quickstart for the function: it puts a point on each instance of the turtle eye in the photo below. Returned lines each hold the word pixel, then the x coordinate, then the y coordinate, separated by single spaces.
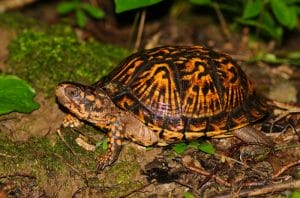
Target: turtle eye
pixel 73 92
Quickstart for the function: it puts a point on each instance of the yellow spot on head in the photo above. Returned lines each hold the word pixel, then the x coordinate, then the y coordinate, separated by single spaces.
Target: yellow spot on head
pixel 119 142
pixel 90 97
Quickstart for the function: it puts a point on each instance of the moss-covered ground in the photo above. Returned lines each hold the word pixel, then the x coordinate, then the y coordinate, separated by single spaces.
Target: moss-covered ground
pixel 46 56
pixel 57 166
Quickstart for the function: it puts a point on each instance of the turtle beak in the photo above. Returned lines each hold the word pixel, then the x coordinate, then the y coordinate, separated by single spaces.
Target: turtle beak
pixel 61 94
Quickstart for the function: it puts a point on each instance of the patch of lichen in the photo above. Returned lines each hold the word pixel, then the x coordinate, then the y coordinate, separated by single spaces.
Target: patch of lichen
pixel 45 58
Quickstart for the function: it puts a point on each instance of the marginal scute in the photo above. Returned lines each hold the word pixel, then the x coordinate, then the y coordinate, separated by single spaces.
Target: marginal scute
pixel 184 92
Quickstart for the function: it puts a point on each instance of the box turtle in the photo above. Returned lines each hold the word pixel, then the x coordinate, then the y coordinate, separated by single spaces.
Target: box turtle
pixel 167 95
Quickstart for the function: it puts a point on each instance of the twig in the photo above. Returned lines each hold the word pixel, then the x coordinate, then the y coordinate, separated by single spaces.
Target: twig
pixel 194 165
pixel 264 190
pixel 6 155
pixel 284 168
pixel 222 21
pixel 138 190
pixel 140 31
pixel 69 147
pixel 18 174
pixel 64 141
pixel 289 109
pixel 243 164
pixel 73 168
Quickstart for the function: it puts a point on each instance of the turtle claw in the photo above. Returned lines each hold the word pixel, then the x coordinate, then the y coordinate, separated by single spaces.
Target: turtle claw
pixel 105 161
pixel 114 149
pixel 108 159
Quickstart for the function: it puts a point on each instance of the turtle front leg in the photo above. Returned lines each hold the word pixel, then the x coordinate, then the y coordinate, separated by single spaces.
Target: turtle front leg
pixel 72 121
pixel 115 137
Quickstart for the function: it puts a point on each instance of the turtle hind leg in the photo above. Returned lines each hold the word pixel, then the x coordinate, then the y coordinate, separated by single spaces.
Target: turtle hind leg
pixel 250 135
pixel 115 137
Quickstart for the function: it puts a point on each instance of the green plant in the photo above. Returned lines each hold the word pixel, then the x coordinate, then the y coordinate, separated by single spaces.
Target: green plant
pixel 125 5
pixel 16 95
pixel 269 17
pixel 188 195
pixel 202 146
pixel 80 9
pixel 44 58
pixel 103 144
pixel 295 194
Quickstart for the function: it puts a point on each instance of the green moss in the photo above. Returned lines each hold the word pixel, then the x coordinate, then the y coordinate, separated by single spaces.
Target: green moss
pixel 45 58
pixel 40 153
pixel 122 177
pixel 17 21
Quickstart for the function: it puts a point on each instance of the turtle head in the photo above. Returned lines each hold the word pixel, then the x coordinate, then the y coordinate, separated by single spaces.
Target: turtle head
pixel 80 100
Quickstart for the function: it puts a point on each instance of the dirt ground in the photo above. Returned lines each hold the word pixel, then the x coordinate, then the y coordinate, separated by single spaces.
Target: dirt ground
pixel 39 161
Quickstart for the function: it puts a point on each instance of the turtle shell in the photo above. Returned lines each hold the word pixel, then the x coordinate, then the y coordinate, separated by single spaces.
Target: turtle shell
pixel 187 90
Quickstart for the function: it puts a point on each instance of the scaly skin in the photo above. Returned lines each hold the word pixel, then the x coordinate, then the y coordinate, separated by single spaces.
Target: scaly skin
pixel 167 95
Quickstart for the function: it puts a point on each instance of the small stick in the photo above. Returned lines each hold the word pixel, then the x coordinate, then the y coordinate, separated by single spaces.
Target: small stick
pixel 222 21
pixel 284 168
pixel 193 165
pixel 64 141
pixel 72 167
pixel 6 155
pixel 264 190
pixel 140 31
pixel 243 164
pixel 137 190
pixel 18 174
pixel 69 147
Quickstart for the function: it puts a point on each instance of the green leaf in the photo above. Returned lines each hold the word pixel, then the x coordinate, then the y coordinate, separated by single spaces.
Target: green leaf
pixel 66 7
pixel 105 145
pixel 102 143
pixel 268 26
pixel 194 145
pixel 295 194
pixel 179 147
pixel 293 17
pixel 201 2
pixel 252 9
pixel 292 1
pixel 16 95
pixel 286 15
pixel 93 11
pixel 81 18
pixel 206 147
pixel 125 5
pixel 188 195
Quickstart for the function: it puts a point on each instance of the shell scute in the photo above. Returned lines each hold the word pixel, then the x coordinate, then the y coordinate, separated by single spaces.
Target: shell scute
pixel 185 90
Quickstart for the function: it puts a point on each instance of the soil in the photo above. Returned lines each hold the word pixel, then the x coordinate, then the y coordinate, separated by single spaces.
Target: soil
pixel 235 170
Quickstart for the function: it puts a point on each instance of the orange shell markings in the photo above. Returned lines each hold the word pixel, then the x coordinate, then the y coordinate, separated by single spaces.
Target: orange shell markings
pixel 185 89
